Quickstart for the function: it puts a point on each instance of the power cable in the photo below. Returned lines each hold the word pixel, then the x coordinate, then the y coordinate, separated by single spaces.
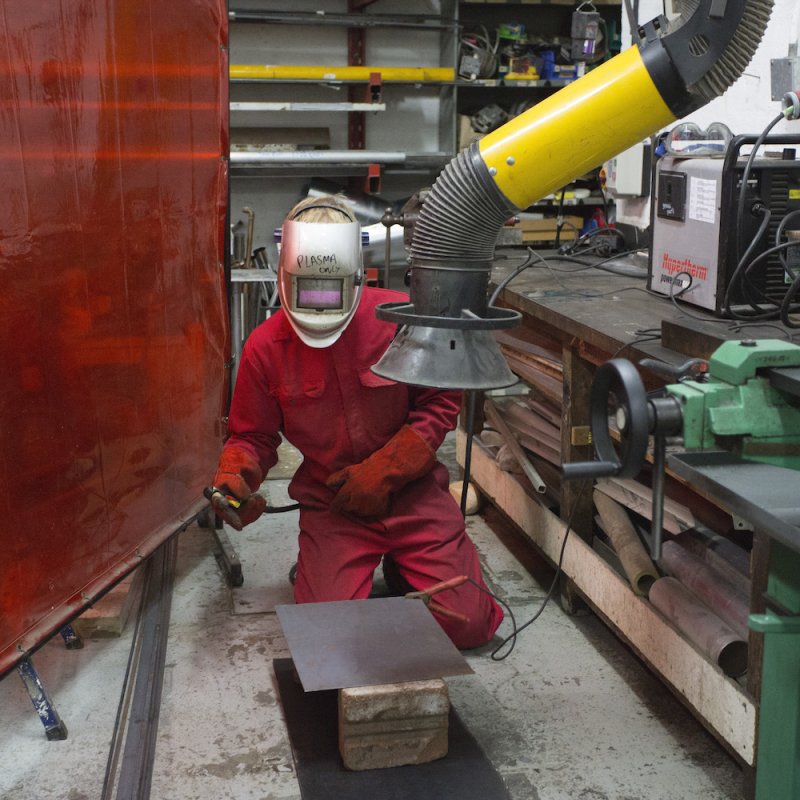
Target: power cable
pixel 516 630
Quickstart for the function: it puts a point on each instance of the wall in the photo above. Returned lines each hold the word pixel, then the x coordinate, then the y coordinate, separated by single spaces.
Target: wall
pixel 747 106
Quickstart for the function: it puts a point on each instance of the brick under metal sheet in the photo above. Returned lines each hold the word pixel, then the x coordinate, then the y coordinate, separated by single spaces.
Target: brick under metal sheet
pixel 367 643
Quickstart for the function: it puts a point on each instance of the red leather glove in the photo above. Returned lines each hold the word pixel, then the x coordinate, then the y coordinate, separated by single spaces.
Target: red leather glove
pixel 238 476
pixel 365 489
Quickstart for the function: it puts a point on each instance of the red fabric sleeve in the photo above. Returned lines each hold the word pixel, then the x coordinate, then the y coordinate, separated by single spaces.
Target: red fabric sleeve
pixel 255 421
pixel 433 413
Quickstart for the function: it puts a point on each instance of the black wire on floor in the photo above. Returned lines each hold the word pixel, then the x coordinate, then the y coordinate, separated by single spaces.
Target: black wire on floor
pixel 516 630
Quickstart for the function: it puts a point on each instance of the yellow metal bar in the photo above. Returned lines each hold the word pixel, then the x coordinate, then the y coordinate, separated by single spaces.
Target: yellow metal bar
pixel 575 130
pixel 312 73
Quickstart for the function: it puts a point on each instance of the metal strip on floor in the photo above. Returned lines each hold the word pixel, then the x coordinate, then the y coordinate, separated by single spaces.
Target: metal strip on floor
pixel 129 770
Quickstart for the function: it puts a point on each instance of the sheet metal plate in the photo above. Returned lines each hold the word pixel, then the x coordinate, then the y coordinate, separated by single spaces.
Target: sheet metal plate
pixel 763 494
pixel 367 643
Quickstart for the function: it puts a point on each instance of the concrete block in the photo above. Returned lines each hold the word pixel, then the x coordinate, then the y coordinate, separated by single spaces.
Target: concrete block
pixel 393 724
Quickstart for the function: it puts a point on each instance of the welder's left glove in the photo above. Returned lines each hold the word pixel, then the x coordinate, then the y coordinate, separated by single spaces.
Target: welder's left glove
pixel 365 488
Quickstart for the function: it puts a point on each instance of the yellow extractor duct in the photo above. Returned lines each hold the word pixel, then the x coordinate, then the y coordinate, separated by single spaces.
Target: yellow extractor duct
pixel 571 132
pixel 678 66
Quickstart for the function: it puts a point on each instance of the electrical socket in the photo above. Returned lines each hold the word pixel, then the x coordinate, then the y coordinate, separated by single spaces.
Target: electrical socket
pixel 785 76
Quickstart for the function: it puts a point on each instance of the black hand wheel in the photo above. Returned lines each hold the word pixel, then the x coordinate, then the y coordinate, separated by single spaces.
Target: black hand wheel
pixel 619 379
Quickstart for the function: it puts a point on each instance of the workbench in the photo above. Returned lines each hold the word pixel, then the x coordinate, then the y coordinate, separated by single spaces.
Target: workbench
pixel 590 316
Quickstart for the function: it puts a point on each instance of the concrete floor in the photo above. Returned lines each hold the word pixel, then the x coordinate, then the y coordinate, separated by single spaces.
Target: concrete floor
pixel 571 714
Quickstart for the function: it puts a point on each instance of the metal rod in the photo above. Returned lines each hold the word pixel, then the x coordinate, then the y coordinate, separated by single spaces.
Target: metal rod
pixel 516 449
pixel 54 727
pixel 468 451
pixel 659 471
pixel 387 248
pixel 318 157
pixel 321 106
pixel 227 558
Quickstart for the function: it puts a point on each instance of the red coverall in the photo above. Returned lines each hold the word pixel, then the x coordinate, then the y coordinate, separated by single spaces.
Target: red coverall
pixel 336 412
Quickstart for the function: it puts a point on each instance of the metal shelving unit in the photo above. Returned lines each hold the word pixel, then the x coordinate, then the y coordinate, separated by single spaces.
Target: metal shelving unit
pixel 365 93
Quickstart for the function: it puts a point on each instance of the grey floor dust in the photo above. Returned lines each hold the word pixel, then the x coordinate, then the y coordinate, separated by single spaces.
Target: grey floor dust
pixel 571 714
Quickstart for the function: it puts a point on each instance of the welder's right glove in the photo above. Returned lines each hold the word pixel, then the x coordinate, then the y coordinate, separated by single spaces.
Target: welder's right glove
pixel 238 476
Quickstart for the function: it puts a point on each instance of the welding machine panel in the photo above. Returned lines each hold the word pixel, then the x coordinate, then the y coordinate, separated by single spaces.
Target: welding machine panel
pixel 694 224
pixel 685 228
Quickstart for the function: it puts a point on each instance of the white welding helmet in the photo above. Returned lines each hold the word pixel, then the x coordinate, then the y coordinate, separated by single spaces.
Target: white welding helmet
pixel 320 276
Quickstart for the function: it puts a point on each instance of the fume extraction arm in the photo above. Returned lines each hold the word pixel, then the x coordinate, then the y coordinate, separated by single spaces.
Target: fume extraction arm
pixel 678 66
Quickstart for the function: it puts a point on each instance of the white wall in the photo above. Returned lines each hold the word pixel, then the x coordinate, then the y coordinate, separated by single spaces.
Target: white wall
pixel 747 106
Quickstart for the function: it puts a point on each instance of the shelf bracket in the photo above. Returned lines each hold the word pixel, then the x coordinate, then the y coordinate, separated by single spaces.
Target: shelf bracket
pixel 372 183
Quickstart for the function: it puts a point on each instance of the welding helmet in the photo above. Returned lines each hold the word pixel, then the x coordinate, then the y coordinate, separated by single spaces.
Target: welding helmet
pixel 320 270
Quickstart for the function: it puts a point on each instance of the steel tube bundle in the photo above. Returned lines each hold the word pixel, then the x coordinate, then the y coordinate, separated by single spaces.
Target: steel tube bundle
pixel 712 635
pixel 719 595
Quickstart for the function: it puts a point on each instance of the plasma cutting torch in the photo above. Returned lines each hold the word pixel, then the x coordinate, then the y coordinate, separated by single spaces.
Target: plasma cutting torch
pixel 678 66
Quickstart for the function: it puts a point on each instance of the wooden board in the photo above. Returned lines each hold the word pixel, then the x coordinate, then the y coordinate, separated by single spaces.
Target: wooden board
pixel 639 498
pixel 717 701
pixel 530 372
pixel 521 417
pixel 108 617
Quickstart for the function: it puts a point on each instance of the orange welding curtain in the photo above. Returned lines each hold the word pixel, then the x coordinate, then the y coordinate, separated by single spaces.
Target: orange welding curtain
pixel 113 319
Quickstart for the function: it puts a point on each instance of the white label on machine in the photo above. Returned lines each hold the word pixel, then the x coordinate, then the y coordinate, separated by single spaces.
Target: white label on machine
pixel 703 199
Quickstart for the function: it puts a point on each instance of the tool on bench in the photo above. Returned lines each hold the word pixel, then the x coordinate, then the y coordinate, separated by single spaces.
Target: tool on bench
pixel 740 422
pixel 435 607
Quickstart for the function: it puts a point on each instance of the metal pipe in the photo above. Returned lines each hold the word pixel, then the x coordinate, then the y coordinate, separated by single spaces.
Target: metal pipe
pixel 493 413
pixel 378 246
pixel 720 643
pixel 248 247
pixel 289 105
pixel 368 208
pixel 639 569
pixel 721 555
pixel 718 594
pixel 387 248
pixel 659 473
pixel 332 74
pixel 318 157
pixel 236 328
pixel 317 18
